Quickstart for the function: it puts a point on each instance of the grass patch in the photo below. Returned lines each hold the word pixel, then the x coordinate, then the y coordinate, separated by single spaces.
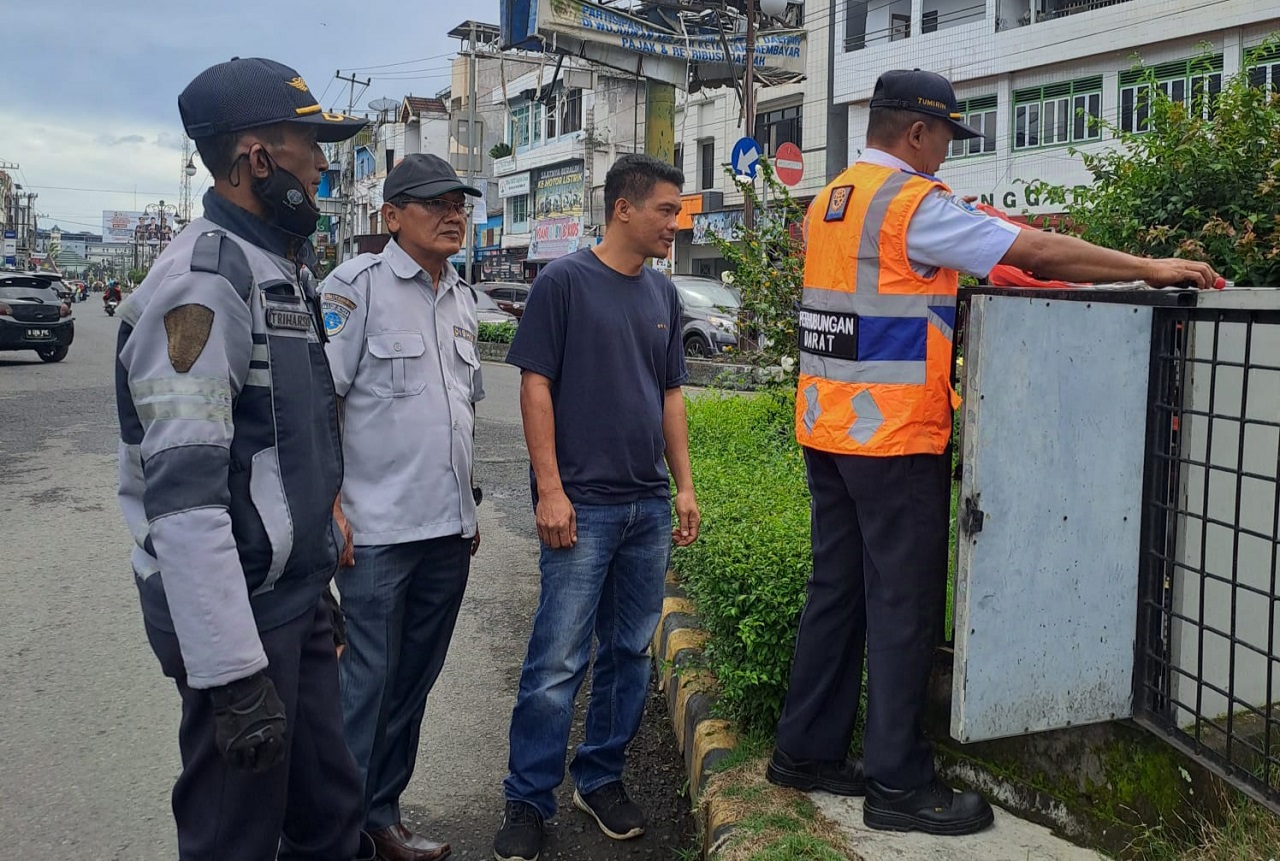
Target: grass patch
pixel 773 823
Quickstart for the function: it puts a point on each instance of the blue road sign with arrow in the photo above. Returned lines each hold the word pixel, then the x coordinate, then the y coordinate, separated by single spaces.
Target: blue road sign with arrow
pixel 745 157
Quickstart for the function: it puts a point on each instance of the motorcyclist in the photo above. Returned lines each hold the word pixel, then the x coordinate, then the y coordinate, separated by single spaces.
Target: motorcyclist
pixel 112 293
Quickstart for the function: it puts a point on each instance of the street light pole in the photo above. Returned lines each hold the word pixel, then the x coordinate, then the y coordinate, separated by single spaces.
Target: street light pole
pixel 471 148
pixel 749 106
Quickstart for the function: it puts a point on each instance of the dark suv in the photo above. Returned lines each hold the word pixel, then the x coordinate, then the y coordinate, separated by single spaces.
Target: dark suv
pixel 708 315
pixel 33 316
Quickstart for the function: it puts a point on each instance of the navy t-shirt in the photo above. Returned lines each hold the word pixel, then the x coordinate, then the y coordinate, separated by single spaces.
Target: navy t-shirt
pixel 610 344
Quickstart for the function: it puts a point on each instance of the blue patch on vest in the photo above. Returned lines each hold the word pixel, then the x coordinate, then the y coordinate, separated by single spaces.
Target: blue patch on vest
pixel 946 313
pixel 892 339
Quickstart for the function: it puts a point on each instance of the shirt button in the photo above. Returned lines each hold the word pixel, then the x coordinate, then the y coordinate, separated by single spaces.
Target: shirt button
pixel 397 346
pixel 455 425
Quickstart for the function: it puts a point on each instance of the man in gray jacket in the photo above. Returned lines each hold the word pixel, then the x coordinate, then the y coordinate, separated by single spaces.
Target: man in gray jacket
pixel 229 466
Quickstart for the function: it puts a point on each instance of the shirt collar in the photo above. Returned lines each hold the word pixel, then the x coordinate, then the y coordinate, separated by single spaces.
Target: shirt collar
pixel 879 157
pixel 407 268
pixel 263 234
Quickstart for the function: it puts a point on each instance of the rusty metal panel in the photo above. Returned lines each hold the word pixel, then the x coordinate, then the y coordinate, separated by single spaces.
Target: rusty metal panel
pixel 1049 516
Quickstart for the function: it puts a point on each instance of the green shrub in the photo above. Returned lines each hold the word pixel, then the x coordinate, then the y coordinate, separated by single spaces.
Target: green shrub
pixel 497 333
pixel 748 569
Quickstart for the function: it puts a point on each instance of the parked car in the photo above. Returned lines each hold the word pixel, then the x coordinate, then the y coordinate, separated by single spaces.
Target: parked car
pixel 33 316
pixel 510 296
pixel 708 315
pixel 487 311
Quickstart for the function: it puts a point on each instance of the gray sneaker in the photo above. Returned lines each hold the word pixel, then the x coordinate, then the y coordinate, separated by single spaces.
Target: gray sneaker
pixel 613 810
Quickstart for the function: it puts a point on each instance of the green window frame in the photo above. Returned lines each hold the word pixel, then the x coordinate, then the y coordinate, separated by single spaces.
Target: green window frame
pixel 1057 114
pixel 980 113
pixel 1185 81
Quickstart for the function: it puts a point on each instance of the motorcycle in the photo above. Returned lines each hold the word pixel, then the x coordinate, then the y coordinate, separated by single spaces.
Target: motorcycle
pixel 110 306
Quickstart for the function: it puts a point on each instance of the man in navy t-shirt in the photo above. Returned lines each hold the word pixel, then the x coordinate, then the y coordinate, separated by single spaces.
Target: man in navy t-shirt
pixel 601 354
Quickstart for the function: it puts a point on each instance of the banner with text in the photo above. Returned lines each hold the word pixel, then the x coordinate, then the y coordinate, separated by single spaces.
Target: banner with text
pixel 559 191
pixel 555 237
pixel 129 227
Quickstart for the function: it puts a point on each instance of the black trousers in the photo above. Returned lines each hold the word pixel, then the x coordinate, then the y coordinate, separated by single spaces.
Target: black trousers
pixel 307 808
pixel 880 528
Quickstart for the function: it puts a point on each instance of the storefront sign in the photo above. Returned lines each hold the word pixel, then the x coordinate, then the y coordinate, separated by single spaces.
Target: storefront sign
pixel 726 224
pixel 555 237
pixel 513 186
pixel 559 191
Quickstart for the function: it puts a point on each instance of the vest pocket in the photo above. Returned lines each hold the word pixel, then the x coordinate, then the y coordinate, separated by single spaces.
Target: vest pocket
pixel 397 369
pixel 266 491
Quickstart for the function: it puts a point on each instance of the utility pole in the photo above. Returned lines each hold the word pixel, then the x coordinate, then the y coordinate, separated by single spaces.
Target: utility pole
pixel 749 105
pixel 471 148
pixel 347 228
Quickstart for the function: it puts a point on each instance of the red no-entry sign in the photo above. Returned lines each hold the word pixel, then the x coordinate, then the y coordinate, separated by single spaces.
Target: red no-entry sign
pixel 788 163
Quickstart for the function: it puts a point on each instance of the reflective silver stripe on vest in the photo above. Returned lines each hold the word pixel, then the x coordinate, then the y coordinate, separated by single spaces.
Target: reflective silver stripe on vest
pixel 874 304
pixel 872 224
pixel 867 417
pixel 813 410
pixel 847 371
pixel 941 325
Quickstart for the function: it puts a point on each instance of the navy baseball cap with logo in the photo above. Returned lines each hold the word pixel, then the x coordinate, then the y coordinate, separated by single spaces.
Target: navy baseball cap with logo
pixel 922 92
pixel 248 93
pixel 424 176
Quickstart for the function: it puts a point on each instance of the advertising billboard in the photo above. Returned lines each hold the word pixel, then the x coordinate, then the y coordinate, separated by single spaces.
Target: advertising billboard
pixel 559 191
pixel 555 237
pixel 124 226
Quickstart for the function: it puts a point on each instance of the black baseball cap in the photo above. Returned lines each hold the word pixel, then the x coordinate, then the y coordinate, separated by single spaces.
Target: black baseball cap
pixel 248 93
pixel 923 92
pixel 424 176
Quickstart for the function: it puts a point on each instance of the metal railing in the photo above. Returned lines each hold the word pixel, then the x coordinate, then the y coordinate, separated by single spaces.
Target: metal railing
pixel 1075 7
pixel 1208 658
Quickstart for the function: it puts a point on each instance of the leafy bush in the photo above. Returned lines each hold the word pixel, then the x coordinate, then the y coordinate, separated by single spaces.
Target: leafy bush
pixel 748 569
pixel 768 270
pixel 497 333
pixel 1202 183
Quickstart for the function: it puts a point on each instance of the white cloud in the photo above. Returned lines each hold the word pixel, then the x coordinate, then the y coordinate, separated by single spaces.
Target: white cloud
pixel 79 171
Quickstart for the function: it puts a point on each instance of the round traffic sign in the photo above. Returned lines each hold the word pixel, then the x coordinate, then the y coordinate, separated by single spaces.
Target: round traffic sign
pixel 788 163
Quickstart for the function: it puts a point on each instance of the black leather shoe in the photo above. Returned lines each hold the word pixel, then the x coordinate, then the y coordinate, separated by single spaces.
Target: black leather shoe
pixel 839 777
pixel 933 809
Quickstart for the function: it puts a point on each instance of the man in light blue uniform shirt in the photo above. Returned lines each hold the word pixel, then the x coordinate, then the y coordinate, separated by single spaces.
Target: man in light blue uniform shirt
pixel 402 348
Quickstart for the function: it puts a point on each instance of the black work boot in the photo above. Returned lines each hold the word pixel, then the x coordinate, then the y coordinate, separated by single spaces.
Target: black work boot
pixel 839 777
pixel 934 808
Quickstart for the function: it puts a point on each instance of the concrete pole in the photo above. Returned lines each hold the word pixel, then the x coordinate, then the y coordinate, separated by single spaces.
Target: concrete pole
pixel 749 104
pixel 468 268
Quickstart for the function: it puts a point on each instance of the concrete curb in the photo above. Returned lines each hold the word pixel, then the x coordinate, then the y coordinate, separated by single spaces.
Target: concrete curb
pixel 704 740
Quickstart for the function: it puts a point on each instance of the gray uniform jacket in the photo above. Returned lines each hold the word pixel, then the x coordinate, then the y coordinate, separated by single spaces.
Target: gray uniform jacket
pixel 229 453
pixel 404 361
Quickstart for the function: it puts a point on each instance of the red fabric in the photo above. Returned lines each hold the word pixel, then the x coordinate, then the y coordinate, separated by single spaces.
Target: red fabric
pixel 1004 275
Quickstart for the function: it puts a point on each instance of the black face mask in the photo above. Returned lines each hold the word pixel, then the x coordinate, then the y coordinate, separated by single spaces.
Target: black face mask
pixel 286 200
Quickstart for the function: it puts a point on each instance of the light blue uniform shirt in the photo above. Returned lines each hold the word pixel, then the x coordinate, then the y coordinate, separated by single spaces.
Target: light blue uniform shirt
pixel 947 233
pixel 403 358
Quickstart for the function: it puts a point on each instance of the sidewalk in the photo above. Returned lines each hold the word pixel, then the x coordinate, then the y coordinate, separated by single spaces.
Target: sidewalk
pixel 1010 839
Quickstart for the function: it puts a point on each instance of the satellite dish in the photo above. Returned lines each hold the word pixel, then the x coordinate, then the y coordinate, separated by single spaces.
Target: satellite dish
pixel 381 105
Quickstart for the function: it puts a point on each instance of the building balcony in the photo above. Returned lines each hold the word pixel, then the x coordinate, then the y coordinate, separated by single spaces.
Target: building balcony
pixel 562 148
pixel 1011 14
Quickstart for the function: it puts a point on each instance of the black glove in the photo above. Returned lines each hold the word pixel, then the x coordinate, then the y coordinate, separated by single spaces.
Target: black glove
pixel 249 723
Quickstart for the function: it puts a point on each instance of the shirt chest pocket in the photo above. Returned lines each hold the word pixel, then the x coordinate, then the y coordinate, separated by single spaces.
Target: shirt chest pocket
pixel 397 364
pixel 466 364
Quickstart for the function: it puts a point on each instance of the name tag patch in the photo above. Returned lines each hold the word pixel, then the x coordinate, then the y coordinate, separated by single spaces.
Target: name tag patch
pixel 838 203
pixel 279 318
pixel 464 334
pixel 829 333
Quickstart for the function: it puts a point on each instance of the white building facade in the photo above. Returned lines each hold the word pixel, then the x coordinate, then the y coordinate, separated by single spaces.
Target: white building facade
pixel 710 122
pixel 1029 73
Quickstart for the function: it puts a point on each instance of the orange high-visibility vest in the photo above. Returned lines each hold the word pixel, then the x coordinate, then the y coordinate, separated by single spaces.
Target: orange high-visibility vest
pixel 875 337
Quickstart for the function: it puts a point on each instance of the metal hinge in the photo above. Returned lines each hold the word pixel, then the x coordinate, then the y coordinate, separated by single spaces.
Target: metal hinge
pixel 972 518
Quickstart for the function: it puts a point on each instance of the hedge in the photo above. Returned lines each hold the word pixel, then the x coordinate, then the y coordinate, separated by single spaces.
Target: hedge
pixel 497 333
pixel 748 568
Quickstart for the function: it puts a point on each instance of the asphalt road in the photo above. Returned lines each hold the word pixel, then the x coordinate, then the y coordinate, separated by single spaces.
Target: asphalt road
pixel 88 749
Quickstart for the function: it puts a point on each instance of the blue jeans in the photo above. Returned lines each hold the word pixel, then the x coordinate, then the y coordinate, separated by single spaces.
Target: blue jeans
pixel 611 584
pixel 401 602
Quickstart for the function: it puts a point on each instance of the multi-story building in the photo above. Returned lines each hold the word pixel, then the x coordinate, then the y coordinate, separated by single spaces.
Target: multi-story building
pixel 710 122
pixel 566 123
pixel 1037 75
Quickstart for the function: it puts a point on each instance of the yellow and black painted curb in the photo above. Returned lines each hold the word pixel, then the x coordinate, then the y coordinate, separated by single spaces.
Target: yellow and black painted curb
pixel 690 692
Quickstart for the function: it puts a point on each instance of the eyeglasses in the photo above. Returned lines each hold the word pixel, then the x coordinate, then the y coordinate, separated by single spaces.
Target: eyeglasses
pixel 444 208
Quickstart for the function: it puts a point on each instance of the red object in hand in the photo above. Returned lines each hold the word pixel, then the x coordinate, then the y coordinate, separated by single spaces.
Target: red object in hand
pixel 1220 283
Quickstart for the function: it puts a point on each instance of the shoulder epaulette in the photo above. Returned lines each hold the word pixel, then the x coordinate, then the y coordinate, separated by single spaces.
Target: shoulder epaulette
pixel 215 252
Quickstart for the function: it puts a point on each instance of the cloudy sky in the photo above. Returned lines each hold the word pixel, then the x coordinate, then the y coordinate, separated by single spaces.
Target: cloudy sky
pixel 89 94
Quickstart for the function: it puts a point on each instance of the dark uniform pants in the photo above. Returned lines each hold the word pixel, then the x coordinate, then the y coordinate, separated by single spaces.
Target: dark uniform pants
pixel 880 531
pixel 306 808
